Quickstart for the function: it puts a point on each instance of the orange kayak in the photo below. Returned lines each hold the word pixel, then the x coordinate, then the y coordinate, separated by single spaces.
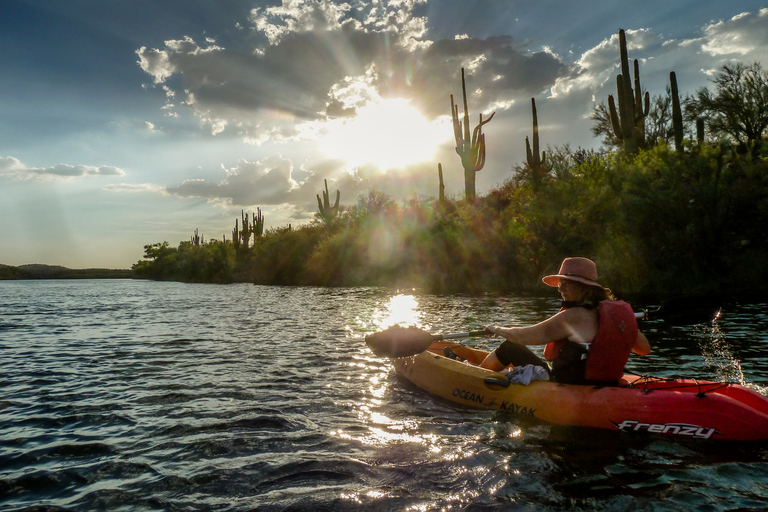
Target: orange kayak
pixel 685 408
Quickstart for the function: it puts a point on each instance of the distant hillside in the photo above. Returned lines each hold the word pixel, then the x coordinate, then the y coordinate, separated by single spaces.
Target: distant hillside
pixel 56 272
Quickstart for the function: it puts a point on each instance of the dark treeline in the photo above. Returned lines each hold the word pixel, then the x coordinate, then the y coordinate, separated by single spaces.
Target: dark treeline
pixel 663 222
pixel 8 272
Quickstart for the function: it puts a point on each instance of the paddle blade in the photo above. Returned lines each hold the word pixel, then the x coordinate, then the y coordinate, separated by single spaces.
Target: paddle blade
pixel 399 341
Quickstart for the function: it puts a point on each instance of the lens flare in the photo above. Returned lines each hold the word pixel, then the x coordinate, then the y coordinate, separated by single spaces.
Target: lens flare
pixel 400 310
pixel 388 133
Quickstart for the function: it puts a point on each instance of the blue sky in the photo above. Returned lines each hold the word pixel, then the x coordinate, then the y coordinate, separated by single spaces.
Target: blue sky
pixel 125 123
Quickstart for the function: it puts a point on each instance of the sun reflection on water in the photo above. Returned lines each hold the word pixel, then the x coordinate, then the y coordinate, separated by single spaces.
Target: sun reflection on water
pixel 390 438
pixel 400 310
pixel 393 434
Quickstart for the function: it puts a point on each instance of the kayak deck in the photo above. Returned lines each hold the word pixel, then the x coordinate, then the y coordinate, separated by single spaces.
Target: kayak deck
pixel 677 407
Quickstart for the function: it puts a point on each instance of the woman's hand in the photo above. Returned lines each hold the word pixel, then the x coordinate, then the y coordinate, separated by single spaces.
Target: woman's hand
pixel 492 330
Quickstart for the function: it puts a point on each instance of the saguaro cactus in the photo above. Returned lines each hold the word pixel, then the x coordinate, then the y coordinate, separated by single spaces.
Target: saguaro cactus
pixel 441 190
pixel 471 151
pixel 677 113
pixel 535 161
pixel 236 234
pixel 258 224
pixel 629 121
pixel 327 212
pixel 254 226
pixel 197 239
pixel 245 232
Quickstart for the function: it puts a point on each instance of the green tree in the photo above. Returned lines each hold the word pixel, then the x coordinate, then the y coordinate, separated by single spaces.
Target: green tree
pixel 658 123
pixel 603 127
pixel 738 108
pixel 159 263
pixel 280 256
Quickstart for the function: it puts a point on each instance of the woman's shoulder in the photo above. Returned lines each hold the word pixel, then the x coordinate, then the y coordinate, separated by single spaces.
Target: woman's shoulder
pixel 577 312
pixel 577 317
pixel 578 324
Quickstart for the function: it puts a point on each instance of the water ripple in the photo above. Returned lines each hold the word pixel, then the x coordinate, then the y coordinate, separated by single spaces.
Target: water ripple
pixel 135 395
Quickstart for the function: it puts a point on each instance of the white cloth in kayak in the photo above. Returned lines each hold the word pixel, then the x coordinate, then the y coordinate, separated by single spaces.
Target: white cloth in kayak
pixel 526 374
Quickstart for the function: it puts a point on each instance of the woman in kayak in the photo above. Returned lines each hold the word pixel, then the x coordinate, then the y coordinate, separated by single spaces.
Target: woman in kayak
pixel 587 342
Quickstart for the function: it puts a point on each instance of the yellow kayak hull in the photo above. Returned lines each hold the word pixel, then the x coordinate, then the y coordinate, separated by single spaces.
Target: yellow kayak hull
pixel 674 407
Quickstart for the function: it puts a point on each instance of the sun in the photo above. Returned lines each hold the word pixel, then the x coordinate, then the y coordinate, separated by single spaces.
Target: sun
pixel 389 133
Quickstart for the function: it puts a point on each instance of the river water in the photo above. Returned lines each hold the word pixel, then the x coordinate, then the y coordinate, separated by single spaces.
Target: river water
pixel 138 395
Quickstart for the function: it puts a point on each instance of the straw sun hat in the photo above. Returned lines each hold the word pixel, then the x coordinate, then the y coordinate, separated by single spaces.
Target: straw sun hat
pixel 581 270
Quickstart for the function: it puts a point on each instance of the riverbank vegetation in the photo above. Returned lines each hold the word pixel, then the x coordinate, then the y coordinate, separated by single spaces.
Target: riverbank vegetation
pixel 677 202
pixel 662 222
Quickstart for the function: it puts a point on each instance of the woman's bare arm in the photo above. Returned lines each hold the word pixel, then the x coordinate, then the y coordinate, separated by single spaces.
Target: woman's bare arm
pixel 577 324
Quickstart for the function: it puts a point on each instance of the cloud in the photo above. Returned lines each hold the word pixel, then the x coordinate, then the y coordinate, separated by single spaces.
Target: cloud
pixel 497 73
pixel 275 182
pixel 298 16
pixel 136 188
pixel 742 36
pixel 265 182
pixel 14 168
pixel 11 166
pixel 311 51
pixel 596 69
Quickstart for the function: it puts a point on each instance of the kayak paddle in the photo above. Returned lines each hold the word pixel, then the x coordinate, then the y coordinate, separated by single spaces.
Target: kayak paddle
pixel 685 310
pixel 399 341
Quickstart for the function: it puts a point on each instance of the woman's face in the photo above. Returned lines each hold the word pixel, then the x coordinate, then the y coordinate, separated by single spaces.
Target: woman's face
pixel 569 290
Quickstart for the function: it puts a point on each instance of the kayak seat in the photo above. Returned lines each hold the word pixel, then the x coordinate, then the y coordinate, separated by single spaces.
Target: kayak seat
pixel 450 354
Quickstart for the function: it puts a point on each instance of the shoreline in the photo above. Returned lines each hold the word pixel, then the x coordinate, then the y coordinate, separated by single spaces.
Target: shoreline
pixel 40 271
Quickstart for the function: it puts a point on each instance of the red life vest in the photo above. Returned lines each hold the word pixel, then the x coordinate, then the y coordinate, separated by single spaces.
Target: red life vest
pixel 609 351
pixel 617 334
